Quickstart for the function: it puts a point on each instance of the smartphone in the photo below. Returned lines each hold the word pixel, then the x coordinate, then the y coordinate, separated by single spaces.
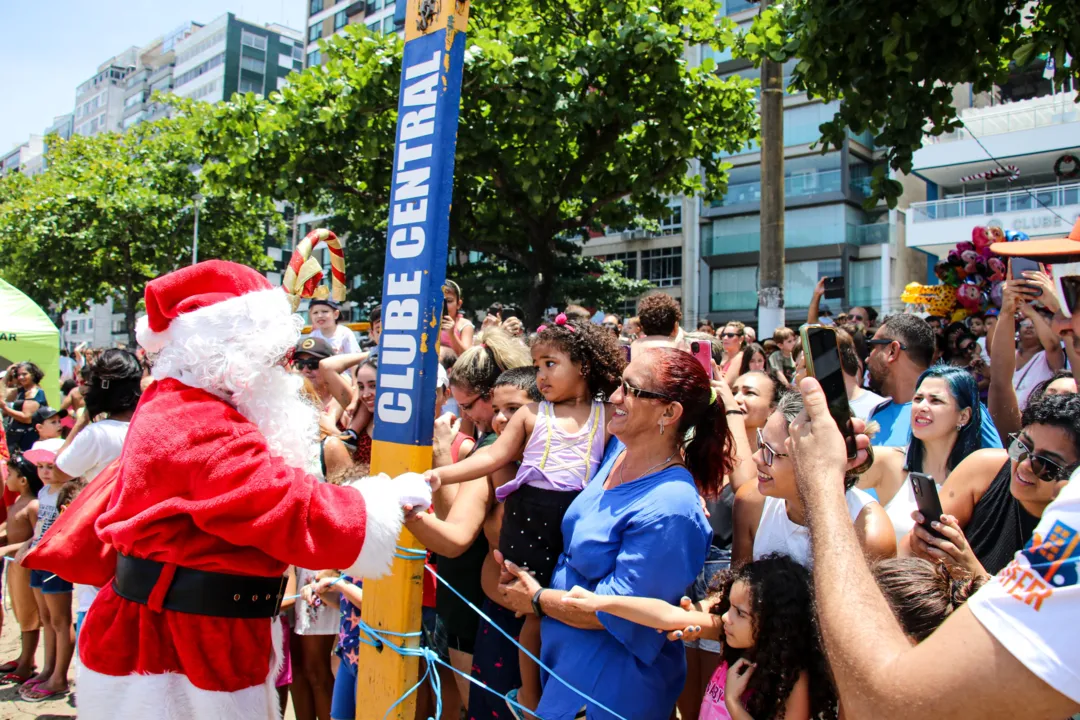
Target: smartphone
pixel 834 288
pixel 823 363
pixel 511 311
pixel 626 351
pixel 927 500
pixel 1020 266
pixel 703 352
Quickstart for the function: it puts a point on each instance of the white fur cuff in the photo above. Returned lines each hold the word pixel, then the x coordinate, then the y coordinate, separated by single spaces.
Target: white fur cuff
pixel 382 501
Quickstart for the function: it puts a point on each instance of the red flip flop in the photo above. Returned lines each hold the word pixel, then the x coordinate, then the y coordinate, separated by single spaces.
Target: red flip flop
pixel 9 666
pixel 14 679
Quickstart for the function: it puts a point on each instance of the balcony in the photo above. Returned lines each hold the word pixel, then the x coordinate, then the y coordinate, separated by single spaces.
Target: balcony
pixel 803 185
pixel 1037 211
pixel 1014 117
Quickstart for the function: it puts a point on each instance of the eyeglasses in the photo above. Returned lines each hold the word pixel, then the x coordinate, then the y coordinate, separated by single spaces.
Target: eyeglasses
pixel 1044 468
pixel 306 364
pixel 965 348
pixel 886 341
pixel 637 392
pixel 767 453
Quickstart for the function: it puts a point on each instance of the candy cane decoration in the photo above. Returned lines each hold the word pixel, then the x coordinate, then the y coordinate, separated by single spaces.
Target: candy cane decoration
pixel 304 273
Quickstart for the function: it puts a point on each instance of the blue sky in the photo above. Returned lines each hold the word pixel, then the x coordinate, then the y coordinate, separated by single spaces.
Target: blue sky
pixel 51 47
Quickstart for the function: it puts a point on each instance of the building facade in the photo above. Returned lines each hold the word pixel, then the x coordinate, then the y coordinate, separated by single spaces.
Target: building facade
pixel 328 17
pixel 229 55
pixel 99 102
pixel 24 158
pixel 1014 164
pixel 154 73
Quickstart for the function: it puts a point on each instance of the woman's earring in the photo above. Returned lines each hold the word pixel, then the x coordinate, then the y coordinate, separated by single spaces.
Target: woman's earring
pixel 661 424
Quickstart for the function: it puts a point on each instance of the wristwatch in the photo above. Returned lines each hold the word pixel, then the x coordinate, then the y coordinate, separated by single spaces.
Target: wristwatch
pixel 537 607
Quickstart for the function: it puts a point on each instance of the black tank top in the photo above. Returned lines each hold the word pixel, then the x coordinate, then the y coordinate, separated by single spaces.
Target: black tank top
pixel 999 524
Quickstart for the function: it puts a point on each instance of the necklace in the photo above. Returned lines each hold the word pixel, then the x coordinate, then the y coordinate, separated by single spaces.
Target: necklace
pixel 665 461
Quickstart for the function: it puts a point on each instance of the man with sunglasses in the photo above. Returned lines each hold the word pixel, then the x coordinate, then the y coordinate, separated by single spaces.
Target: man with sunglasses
pixel 1011 651
pixel 900 351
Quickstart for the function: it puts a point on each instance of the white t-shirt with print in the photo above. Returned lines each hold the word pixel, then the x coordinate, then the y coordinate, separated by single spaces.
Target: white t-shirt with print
pixel 97 445
pixel 343 340
pixel 1032 605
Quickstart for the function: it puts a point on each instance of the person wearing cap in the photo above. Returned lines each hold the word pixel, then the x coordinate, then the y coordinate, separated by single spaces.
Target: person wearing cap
pixel 307 354
pixel 1013 649
pixel 325 315
pixel 49 422
pixel 52 592
pixel 210 502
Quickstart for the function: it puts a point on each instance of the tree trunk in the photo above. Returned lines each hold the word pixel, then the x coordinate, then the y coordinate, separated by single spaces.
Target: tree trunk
pixel 543 285
pixel 130 303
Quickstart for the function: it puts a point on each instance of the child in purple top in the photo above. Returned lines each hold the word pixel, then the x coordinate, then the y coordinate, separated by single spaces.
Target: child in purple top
pixel 561 443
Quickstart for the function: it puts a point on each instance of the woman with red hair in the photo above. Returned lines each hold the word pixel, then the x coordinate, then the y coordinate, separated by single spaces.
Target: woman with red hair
pixel 637 528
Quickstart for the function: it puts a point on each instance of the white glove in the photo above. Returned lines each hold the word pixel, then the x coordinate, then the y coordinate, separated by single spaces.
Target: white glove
pixel 413 490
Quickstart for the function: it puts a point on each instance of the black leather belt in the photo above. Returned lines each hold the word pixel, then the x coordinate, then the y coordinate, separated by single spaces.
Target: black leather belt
pixel 199 592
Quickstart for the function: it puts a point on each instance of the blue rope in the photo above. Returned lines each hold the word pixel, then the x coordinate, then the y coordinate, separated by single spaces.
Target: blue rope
pixel 416 554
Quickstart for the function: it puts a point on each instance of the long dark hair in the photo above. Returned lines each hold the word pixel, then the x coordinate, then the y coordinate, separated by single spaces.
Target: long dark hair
pixel 785 636
pixel 965 392
pixel 709 451
pixel 115 383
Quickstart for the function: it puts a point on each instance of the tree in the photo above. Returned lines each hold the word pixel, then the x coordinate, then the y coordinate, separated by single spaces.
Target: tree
pixel 895 63
pixel 576 115
pixel 112 212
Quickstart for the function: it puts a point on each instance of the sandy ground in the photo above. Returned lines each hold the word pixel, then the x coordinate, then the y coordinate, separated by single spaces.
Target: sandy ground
pixel 12 707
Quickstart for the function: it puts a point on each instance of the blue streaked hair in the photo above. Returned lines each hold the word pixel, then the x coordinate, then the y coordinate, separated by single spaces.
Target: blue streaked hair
pixel 965 392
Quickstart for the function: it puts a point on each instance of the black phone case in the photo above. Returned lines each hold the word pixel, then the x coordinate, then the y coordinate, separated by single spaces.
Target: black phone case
pixel 927 500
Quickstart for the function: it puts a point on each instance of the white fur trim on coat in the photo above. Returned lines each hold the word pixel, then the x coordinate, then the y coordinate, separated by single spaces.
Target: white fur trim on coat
pixel 171 696
pixel 382 503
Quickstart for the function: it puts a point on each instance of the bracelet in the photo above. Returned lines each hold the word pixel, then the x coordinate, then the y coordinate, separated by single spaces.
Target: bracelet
pixel 734 412
pixel 537 607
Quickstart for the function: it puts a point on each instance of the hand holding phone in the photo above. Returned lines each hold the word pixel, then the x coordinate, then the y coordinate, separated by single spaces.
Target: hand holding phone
pixel 927 500
pixel 823 363
pixel 702 351
pixel 1018 266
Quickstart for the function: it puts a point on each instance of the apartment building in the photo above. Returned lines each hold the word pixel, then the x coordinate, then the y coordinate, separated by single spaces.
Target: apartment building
pixel 99 102
pixel 154 73
pixel 327 17
pixel 24 158
pixel 1013 164
pixel 230 55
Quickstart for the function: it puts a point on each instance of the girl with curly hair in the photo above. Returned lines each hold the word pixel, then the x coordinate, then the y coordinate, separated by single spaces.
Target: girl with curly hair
pixel 763 615
pixel 560 442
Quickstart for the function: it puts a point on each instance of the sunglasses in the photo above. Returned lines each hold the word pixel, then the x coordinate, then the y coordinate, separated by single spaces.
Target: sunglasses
pixel 886 341
pixel 1044 468
pixel 767 453
pixel 306 364
pixel 637 392
pixel 729 335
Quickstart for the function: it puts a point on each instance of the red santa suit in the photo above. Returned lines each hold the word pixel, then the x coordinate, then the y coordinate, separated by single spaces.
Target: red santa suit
pixel 198 488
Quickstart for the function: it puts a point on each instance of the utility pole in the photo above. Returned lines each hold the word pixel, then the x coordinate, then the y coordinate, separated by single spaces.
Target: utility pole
pixel 771 277
pixel 415 270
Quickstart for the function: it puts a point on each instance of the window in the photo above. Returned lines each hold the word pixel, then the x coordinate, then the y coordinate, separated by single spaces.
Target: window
pixel 257 66
pixel 388 24
pixel 672 224
pixel 629 263
pixel 297 53
pixel 864 283
pixel 274 253
pixel 200 69
pixel 274 278
pixel 252 40
pixel 316 6
pixel 662 267
pixel 251 86
pixel 733 289
pixel 200 47
pixel 314 58
pixel 90 323
pixel 340 20
pixel 801 277
pixel 374 27
pixel 314 32
pixel 119 326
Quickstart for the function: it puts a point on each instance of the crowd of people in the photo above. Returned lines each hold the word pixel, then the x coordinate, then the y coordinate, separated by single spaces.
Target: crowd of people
pixel 662 516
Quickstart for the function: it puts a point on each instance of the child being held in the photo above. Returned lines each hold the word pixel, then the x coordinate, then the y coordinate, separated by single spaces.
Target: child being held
pixel 561 443
pixel 763 615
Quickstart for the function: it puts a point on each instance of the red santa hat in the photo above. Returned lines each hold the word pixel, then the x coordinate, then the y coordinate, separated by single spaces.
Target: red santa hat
pixel 190 289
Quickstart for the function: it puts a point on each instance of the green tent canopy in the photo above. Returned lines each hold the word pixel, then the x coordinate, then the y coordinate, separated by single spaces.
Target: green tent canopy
pixel 27 334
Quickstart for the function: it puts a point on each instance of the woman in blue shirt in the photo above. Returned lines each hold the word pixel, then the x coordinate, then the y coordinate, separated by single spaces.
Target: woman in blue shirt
pixel 638 529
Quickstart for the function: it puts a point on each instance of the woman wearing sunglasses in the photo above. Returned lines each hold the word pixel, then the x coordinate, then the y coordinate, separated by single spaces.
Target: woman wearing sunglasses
pixel 770 516
pixel 993 500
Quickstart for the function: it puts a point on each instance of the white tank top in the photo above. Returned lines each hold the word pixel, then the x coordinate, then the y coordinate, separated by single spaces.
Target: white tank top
pixel 901 506
pixel 777 534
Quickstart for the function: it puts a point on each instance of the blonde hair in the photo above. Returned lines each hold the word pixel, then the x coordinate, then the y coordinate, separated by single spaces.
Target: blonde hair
pixel 479 367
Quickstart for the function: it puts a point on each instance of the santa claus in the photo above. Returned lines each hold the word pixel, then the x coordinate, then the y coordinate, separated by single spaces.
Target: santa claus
pixel 211 502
